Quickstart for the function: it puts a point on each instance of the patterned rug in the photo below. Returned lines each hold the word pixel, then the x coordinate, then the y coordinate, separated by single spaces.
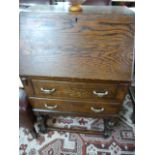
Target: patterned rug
pixel 121 142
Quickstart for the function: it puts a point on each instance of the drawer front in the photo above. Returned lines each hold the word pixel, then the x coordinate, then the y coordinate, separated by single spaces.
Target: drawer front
pixel 79 90
pixel 108 107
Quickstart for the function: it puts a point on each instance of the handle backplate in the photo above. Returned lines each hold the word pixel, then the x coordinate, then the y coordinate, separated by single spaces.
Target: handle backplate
pixel 100 94
pixel 51 107
pixel 48 91
pixel 97 110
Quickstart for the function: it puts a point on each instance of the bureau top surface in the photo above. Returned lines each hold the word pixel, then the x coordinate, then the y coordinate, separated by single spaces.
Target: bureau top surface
pixel 96 44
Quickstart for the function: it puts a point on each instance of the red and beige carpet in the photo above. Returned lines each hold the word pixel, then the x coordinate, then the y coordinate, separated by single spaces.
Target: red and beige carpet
pixel 121 142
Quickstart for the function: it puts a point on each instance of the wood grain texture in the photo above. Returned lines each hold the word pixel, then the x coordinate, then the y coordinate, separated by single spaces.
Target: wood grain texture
pixel 74 90
pixel 110 13
pixel 110 106
pixel 98 46
pixel 76 53
pixel 73 130
pixel 28 87
pixel 39 112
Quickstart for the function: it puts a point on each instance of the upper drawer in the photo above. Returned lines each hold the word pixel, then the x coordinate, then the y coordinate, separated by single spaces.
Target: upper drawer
pixel 63 89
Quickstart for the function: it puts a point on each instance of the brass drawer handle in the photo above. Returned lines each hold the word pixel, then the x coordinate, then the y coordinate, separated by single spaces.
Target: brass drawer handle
pixel 97 110
pixel 51 107
pixel 100 94
pixel 48 91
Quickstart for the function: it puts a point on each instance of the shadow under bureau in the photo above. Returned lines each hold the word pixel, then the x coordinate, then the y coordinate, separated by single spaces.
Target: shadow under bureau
pixel 77 63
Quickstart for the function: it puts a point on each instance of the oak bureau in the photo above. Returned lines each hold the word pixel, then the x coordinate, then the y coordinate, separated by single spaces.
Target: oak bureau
pixel 77 64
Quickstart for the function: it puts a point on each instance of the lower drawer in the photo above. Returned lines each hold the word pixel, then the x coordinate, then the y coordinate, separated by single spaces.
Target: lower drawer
pixel 106 107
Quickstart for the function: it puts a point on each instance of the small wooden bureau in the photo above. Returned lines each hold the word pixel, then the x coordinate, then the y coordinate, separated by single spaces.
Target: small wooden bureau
pixel 76 63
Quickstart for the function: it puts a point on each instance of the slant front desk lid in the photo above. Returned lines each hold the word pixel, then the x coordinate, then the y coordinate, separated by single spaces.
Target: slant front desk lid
pixel 95 44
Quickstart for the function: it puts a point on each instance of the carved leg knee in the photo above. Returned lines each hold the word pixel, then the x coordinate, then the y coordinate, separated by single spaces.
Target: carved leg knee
pixel 108 125
pixel 42 124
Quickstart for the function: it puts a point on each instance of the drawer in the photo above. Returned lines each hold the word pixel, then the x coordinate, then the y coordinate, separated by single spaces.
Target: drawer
pixel 79 90
pixel 53 105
